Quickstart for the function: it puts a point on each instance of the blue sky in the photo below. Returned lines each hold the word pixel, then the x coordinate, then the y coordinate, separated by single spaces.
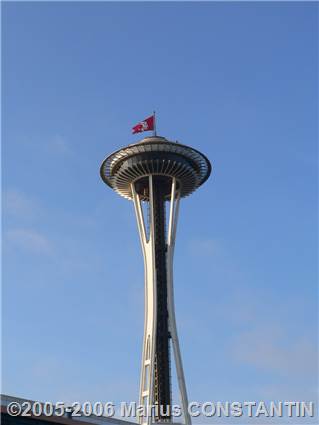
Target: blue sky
pixel 237 81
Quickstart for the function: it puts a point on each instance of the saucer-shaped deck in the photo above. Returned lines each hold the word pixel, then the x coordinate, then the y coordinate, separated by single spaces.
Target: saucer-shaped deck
pixel 159 157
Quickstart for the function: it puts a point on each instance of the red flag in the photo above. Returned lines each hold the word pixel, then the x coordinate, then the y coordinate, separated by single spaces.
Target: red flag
pixel 146 125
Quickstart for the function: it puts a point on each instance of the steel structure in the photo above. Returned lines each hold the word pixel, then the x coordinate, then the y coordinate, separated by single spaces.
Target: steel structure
pixel 154 173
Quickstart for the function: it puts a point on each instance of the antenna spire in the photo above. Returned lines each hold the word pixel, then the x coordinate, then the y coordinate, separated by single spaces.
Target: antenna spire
pixel 154 115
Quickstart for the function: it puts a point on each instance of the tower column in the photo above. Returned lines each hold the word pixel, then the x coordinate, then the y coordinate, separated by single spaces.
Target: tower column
pixel 160 326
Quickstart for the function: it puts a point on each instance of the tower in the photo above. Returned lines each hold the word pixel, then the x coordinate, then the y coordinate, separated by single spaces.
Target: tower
pixel 156 173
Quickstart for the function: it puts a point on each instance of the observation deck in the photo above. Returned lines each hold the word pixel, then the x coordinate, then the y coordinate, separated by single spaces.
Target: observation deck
pixel 155 156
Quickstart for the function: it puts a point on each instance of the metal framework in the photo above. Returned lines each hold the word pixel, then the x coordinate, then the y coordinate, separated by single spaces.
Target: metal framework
pixel 153 172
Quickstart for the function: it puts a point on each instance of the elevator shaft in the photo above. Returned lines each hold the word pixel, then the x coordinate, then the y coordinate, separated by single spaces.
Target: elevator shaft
pixel 162 384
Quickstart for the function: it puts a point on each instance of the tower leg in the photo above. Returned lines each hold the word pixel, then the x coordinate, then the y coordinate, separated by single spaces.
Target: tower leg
pixel 172 225
pixel 150 316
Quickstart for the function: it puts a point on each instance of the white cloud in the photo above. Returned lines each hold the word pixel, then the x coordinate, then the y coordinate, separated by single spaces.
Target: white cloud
pixel 269 348
pixel 59 145
pixel 17 204
pixel 29 239
pixel 206 247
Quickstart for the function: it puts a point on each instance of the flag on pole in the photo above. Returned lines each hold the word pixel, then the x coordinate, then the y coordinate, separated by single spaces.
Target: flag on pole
pixel 145 125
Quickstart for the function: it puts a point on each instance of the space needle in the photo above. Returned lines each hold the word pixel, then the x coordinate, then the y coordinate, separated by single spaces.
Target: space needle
pixel 155 173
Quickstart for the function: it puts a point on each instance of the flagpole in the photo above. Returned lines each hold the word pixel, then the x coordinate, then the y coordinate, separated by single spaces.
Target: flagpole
pixel 154 123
